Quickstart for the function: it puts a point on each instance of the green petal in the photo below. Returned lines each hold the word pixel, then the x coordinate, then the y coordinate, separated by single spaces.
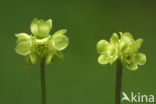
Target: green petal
pixel 28 60
pixel 57 58
pixel 49 21
pixel 34 27
pixel 23 47
pixel 130 63
pixel 102 46
pixel 22 37
pixel 114 39
pixel 126 39
pixel 113 58
pixel 112 50
pixel 41 28
pixel 132 66
pixel 133 46
pixel 51 49
pixel 140 58
pixel 138 43
pixel 34 58
pixel 126 36
pixel 102 59
pixel 44 28
pixel 48 58
pixel 60 32
pixel 60 42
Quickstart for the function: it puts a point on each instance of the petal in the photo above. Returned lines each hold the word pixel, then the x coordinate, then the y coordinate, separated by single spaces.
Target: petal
pixel 41 28
pixel 113 58
pixel 44 28
pixel 22 37
pixel 34 58
pixel 28 60
pixel 23 47
pixel 57 58
pixel 140 58
pixel 130 63
pixel 112 50
pixel 60 42
pixel 102 46
pixel 51 48
pixel 34 27
pixel 114 39
pixel 133 46
pixel 60 32
pixel 49 21
pixel 138 44
pixel 126 38
pixel 132 66
pixel 48 58
pixel 102 59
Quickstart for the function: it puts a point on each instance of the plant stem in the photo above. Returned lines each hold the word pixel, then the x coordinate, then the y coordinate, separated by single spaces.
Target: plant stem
pixel 43 88
pixel 118 82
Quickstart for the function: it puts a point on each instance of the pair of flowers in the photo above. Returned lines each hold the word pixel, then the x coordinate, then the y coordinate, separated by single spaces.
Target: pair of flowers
pixel 42 45
pixel 43 48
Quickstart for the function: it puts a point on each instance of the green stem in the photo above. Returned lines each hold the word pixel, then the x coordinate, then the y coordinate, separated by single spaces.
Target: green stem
pixel 43 88
pixel 118 82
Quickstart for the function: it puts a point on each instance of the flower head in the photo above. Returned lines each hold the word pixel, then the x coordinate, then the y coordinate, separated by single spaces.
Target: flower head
pixel 41 44
pixel 125 49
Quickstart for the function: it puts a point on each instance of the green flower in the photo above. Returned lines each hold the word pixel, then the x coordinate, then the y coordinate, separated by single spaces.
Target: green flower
pixel 125 49
pixel 41 44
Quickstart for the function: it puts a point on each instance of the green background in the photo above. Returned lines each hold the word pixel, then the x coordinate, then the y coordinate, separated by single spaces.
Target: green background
pixel 79 79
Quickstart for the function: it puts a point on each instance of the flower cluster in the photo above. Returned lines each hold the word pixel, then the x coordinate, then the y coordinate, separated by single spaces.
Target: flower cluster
pixel 41 45
pixel 125 49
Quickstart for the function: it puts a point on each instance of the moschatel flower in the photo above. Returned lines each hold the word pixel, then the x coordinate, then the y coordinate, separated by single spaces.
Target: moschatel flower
pixel 125 49
pixel 41 44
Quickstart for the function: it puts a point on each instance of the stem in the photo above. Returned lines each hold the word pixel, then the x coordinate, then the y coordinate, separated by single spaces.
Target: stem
pixel 43 88
pixel 118 82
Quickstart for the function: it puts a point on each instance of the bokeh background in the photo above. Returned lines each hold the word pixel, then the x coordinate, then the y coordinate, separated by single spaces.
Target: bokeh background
pixel 79 79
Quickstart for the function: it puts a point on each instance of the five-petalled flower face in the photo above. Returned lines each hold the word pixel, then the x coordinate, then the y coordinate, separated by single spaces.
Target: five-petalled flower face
pixel 125 49
pixel 41 44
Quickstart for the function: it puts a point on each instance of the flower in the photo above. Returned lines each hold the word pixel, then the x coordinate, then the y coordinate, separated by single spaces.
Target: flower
pixel 41 44
pixel 126 49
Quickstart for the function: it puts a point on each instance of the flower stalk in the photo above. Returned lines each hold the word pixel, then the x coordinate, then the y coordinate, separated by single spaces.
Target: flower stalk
pixel 118 82
pixel 43 86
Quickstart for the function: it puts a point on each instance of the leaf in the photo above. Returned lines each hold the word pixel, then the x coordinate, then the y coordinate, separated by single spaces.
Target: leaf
pixel 102 59
pixel 60 42
pixel 102 46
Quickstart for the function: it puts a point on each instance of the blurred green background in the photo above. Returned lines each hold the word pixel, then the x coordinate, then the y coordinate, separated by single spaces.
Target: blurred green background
pixel 79 79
